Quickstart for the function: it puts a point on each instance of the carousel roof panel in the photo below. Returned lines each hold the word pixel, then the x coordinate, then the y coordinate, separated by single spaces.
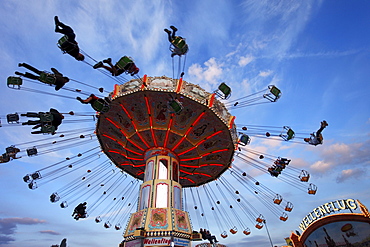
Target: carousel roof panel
pixel 202 135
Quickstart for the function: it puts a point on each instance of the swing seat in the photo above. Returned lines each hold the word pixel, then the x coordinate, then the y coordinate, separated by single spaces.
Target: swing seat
pixel 10 150
pixel 32 185
pixel 289 207
pixel 64 204
pixel 107 224
pixel 259 226
pixel 47 129
pixel 117 227
pixel 36 175
pixel 179 45
pixel 123 62
pixel 312 189
pixel 224 235
pixel 304 176
pixel 247 231
pixel 27 178
pixel 224 91
pixel 48 78
pixel 282 218
pixel 260 219
pixel 65 45
pixel 233 230
pixel 176 106
pixel 12 118
pixel 31 151
pixel 274 93
pixel 287 133
pixel 14 82
pixel 278 201
pixel 244 140
pixel 100 105
pixel 54 197
pixel 98 219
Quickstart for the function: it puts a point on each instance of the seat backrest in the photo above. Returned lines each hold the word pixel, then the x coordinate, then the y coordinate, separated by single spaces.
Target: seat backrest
pixel 180 44
pixel 100 105
pixel 47 129
pixel 46 117
pixel 47 78
pixel 123 62
pixel 62 40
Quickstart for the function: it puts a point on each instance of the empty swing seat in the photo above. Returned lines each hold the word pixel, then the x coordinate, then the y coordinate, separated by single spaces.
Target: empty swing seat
pixel 224 234
pixel 304 176
pixel 224 91
pixel 274 93
pixel 31 151
pixel 287 133
pixel 14 82
pixel 12 118
pixel 176 106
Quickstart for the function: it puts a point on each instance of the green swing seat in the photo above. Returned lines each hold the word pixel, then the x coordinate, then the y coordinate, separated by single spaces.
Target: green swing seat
pixel 100 105
pixel 47 78
pixel 46 122
pixel 274 93
pixel 176 106
pixel 14 82
pixel 65 45
pixel 287 133
pixel 122 63
pixel 180 44
pixel 224 91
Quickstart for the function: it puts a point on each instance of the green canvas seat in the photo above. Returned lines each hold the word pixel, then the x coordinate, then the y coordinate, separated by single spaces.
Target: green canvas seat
pixel 100 106
pixel 274 93
pixel 287 133
pixel 122 63
pixel 244 140
pixel 14 82
pixel 48 78
pixel 180 44
pixel 176 106
pixel 224 91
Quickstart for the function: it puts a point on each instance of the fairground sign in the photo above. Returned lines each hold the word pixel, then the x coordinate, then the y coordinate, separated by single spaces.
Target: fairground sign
pixel 328 208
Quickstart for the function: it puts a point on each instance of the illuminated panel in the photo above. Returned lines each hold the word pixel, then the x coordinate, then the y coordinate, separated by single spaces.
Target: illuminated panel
pixel 163 169
pixel 149 171
pixel 145 197
pixel 162 196
pixel 177 197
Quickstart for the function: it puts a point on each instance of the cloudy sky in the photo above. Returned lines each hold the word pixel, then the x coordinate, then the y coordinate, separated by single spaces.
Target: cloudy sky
pixel 316 52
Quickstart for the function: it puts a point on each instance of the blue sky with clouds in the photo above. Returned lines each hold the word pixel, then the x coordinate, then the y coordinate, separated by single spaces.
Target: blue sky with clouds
pixel 316 52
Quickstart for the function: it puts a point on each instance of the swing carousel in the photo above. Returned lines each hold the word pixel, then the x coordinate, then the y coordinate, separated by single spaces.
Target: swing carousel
pixel 182 143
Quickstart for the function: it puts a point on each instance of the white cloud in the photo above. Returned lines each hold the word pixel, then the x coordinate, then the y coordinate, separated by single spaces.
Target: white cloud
pixel 243 61
pixel 351 173
pixel 209 73
pixel 265 73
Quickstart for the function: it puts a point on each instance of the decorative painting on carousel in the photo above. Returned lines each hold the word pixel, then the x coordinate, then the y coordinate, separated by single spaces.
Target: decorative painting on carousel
pixel 181 222
pixel 158 219
pixel 136 221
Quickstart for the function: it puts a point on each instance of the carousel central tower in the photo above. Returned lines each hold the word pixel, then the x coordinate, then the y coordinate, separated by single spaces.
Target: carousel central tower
pixel 170 134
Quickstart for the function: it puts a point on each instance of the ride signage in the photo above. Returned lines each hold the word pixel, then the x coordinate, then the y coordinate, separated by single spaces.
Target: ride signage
pixel 328 208
pixel 157 241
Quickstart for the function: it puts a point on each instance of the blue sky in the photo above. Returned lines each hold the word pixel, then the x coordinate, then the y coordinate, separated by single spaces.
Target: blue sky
pixel 316 52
